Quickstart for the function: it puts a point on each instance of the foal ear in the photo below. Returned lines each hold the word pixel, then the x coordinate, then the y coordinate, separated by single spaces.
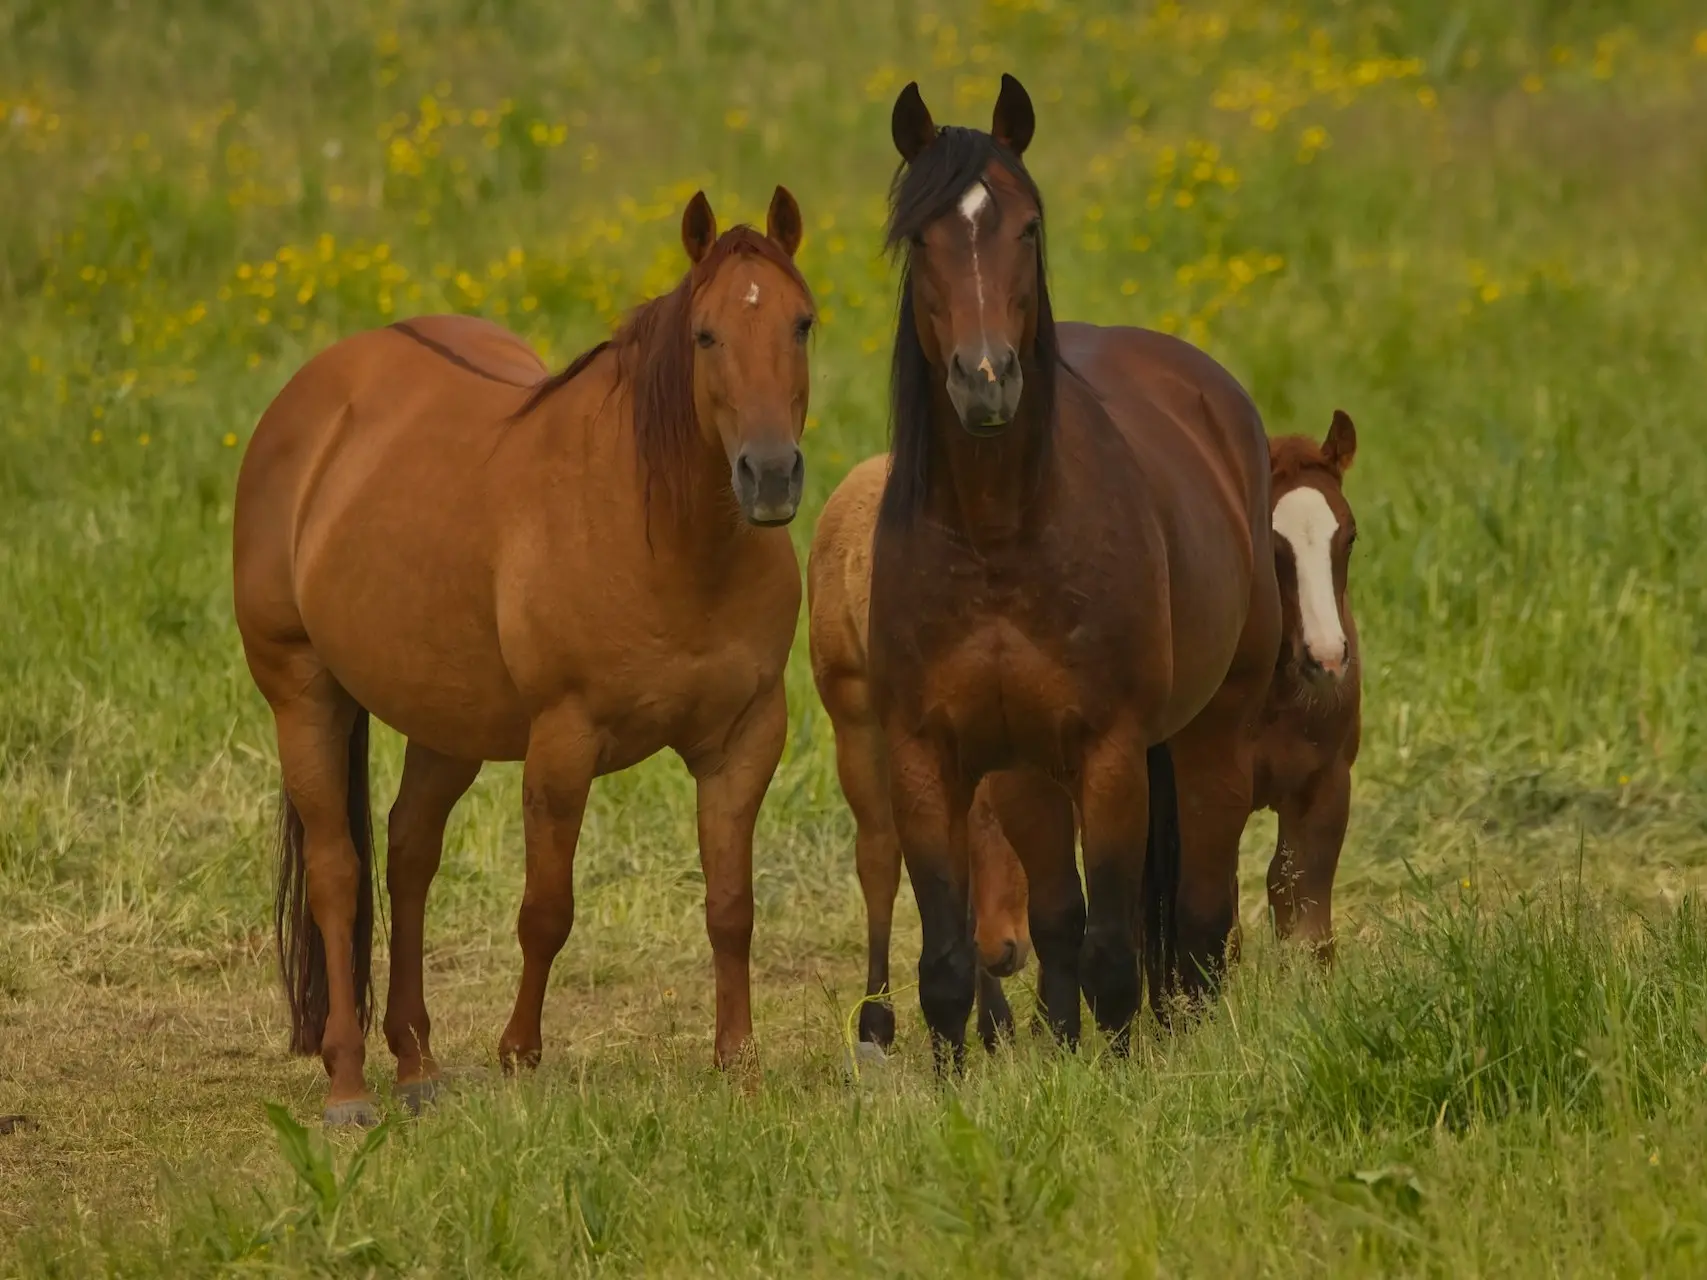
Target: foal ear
pixel 910 123
pixel 1013 121
pixel 699 227
pixel 782 222
pixel 1341 445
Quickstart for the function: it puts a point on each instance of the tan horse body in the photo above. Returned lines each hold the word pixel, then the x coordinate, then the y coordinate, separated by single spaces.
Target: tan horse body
pixel 838 589
pixel 502 566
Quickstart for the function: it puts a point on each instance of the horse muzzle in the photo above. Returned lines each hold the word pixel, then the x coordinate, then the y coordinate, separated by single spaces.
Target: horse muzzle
pixel 768 483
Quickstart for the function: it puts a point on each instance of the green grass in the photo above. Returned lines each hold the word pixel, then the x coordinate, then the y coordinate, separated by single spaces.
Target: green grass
pixel 1476 228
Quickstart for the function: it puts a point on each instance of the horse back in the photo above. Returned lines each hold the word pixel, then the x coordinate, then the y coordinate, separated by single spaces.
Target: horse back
pixel 1177 407
pixel 478 345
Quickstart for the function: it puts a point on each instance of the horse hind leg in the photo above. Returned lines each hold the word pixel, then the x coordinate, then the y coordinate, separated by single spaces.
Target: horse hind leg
pixel 431 786
pixel 325 905
pixel 862 766
pixel 1214 758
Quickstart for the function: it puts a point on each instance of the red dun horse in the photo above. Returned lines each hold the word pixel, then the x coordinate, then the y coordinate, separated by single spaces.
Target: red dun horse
pixel 1072 573
pixel 838 593
pixel 1313 721
pixel 575 571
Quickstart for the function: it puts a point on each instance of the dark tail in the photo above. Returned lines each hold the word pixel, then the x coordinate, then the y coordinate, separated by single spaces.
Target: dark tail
pixel 302 955
pixel 1160 889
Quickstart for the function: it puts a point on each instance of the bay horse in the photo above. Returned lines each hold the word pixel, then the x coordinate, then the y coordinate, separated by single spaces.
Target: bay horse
pixel 838 604
pixel 576 571
pixel 1310 725
pixel 1072 573
pixel 1312 722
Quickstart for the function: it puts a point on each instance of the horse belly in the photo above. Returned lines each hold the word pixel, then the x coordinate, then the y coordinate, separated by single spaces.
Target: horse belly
pixel 395 594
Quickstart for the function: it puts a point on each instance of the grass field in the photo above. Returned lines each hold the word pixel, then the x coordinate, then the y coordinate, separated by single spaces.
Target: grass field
pixel 1477 227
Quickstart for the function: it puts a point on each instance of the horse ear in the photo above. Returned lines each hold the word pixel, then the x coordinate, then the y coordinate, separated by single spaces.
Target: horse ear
pixel 699 227
pixel 1013 121
pixel 1341 445
pixel 782 222
pixel 910 123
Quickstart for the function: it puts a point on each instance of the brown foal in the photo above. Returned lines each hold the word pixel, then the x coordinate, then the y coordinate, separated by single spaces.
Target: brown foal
pixel 575 571
pixel 1312 724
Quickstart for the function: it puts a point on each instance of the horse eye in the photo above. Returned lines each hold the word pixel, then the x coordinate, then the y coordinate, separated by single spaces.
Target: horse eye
pixel 803 328
pixel 1030 230
pixel 705 338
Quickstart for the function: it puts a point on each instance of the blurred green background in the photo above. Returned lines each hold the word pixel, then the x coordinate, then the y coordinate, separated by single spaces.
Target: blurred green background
pixel 1477 227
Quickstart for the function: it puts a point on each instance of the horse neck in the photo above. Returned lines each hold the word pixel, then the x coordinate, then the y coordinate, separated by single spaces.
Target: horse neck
pixel 689 520
pixel 988 490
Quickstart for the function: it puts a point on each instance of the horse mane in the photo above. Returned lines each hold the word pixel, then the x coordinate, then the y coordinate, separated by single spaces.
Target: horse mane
pixel 920 193
pixel 655 353
pixel 1291 456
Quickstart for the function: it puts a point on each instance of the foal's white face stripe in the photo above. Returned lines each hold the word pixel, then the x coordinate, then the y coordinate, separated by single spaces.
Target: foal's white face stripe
pixel 752 298
pixel 1304 518
pixel 975 200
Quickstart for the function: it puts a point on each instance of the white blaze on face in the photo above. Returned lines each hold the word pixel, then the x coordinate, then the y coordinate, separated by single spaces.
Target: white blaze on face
pixel 1304 518
pixel 972 203
pixel 752 298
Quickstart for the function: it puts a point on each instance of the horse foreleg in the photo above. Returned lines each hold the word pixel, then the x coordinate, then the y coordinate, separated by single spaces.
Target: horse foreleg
pixel 1037 820
pixel 562 756
pixel 415 833
pixel 1301 876
pixel 731 784
pixel 930 804
pixel 1114 799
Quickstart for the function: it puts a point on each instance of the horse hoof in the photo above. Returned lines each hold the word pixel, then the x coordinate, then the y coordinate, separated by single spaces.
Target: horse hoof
pixel 418 1095
pixel 360 1112
pixel 865 1057
pixel 877 1024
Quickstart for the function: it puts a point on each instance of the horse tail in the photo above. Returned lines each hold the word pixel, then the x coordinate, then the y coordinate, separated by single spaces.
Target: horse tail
pixel 1159 890
pixel 302 953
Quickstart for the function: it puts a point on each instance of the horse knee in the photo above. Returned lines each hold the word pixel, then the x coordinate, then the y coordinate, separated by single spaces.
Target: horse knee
pixel 544 926
pixel 729 924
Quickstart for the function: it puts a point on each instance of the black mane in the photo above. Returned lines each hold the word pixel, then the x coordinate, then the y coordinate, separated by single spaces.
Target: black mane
pixel 922 192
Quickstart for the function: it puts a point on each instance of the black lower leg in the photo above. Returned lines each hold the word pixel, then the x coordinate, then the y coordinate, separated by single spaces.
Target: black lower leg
pixel 877 1015
pixel 947 968
pixel 1110 956
pixel 995 1015
pixel 1058 938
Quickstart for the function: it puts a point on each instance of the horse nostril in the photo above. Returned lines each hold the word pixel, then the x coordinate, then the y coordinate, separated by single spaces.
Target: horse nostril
pixel 797 473
pixel 957 366
pixel 1010 366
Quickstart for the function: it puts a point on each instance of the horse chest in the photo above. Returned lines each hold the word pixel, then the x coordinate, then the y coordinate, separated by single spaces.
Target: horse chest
pixel 1002 692
pixel 1296 743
